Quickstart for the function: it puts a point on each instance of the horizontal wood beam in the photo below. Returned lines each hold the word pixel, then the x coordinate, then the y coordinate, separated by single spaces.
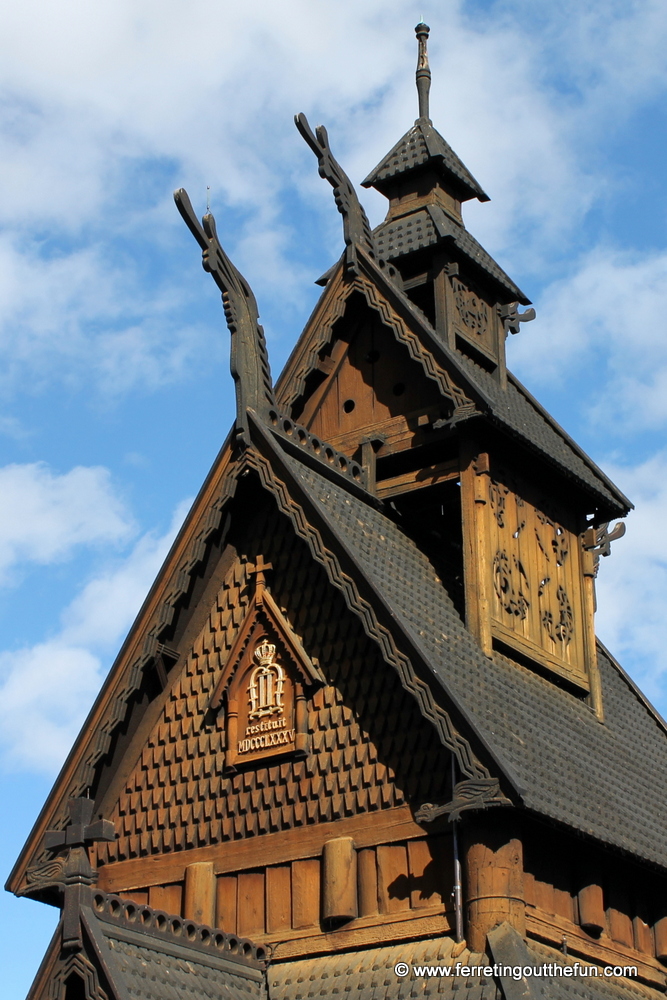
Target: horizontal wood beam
pixel 361 932
pixel 387 826
pixel 552 928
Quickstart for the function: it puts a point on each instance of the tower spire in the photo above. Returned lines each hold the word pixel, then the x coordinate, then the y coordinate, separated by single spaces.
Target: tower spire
pixel 423 70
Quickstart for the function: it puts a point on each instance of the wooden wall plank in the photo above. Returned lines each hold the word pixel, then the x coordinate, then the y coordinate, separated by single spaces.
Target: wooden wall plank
pixel 643 937
pixel 393 881
pixel 250 913
pixel 167 897
pixel 136 895
pixel 225 904
pixel 426 873
pixel 368 882
pixel 306 893
pixel 278 898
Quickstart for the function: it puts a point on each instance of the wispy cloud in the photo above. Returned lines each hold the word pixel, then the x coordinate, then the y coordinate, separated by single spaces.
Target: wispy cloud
pixel 606 317
pixel 632 582
pixel 104 111
pixel 45 516
pixel 46 689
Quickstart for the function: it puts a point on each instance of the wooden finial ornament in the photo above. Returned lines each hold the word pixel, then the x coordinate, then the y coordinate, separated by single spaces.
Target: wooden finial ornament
pixel 423 70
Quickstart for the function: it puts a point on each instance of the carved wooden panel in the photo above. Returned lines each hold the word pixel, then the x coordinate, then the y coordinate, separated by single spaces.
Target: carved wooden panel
pixel 368 746
pixel 264 696
pixel 537 597
pixel 474 318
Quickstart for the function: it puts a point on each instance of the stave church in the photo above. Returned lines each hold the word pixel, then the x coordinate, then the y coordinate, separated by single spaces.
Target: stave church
pixel 361 739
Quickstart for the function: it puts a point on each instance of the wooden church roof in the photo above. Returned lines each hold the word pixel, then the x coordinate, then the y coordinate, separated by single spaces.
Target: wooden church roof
pixel 517 737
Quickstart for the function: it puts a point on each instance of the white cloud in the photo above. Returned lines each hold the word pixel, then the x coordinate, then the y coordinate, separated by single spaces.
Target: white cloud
pixel 104 101
pixel 47 689
pixel 632 582
pixel 607 319
pixel 45 515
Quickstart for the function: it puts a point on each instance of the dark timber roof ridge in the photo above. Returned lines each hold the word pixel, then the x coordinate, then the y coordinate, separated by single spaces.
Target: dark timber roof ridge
pixel 608 781
pixel 515 408
pixel 422 146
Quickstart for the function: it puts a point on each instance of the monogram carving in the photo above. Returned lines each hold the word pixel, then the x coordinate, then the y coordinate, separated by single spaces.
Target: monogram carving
pixel 262 690
pixel 267 724
pixel 537 598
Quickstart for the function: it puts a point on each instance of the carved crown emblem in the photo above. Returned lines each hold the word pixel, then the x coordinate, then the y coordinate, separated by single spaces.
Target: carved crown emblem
pixel 265 653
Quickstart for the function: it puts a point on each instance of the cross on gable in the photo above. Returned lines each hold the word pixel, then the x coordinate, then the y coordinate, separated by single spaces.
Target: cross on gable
pixel 80 832
pixel 78 876
pixel 258 569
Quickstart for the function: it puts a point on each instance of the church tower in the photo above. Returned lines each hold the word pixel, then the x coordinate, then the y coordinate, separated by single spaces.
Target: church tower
pixel 362 724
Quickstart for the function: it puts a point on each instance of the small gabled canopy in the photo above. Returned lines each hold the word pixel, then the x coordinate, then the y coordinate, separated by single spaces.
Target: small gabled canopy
pixel 422 147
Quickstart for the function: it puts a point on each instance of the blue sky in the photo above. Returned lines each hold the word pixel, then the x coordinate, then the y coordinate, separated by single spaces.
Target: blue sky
pixel 115 392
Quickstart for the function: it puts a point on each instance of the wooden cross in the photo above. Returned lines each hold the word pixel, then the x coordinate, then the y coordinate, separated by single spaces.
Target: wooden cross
pixel 78 875
pixel 80 832
pixel 257 569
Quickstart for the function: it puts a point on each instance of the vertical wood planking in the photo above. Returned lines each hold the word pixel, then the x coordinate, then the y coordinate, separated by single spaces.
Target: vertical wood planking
pixel 139 896
pixel 305 893
pixel 393 881
pixel 278 899
pixel 643 936
pixel 199 902
pixel 166 897
pixel 425 873
pixel 250 913
pixel 368 882
pixel 225 903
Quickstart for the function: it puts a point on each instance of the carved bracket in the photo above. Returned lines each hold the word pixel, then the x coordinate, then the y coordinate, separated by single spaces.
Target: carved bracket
pixel 512 318
pixel 75 874
pixel 598 541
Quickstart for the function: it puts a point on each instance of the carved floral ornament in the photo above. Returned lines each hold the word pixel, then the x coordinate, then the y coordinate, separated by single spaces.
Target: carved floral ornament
pixel 538 600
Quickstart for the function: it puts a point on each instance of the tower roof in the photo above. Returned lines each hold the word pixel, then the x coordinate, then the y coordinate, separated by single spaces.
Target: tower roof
pixel 422 146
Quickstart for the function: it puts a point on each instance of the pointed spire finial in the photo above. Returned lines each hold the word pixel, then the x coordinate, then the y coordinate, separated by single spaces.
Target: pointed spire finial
pixel 423 70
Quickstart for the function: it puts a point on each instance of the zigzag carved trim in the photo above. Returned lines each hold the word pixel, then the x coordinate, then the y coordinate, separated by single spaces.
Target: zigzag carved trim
pixel 391 319
pixel 419 690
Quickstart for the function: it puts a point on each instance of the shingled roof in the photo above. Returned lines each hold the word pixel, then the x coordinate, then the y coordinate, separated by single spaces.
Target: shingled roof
pixel 136 951
pixel 423 146
pixel 431 225
pixel 606 780
pixel 369 974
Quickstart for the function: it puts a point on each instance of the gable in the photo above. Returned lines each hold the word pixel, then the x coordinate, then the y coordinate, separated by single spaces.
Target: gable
pixel 181 793
pixel 372 387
